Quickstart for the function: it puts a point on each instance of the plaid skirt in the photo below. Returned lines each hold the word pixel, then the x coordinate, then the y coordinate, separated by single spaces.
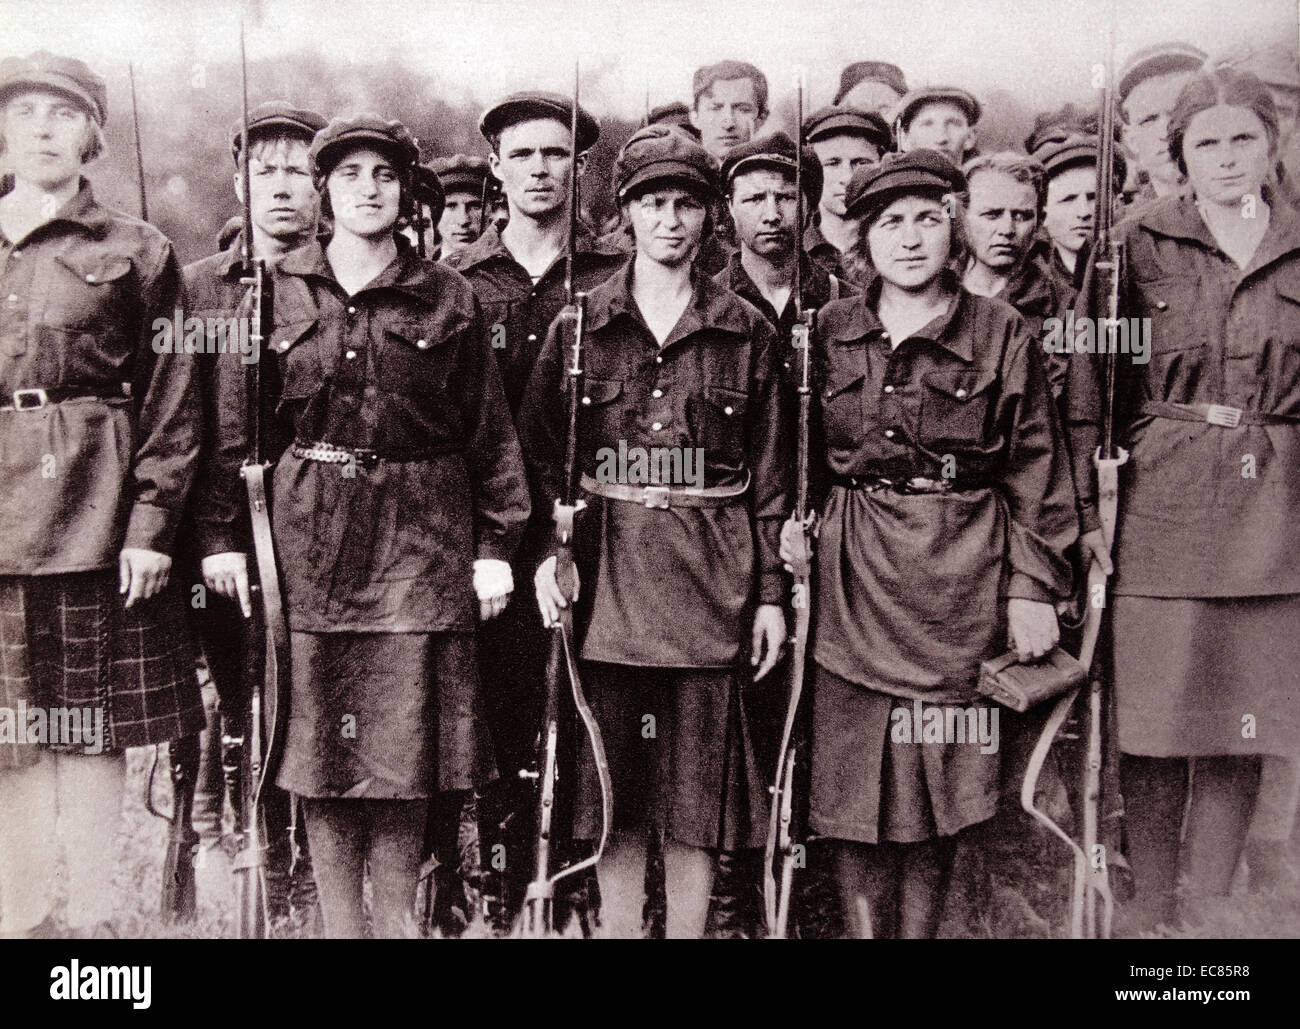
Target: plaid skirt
pixel 69 650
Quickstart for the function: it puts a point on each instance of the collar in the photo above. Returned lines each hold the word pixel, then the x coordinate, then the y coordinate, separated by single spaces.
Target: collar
pixel 406 272
pixel 816 283
pixel 1031 289
pixel 860 320
pixel 490 246
pixel 814 239
pixel 712 306
pixel 1178 218
pixel 83 211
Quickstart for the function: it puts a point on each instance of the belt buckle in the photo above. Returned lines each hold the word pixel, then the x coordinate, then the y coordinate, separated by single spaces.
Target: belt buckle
pixel 1221 414
pixel 656 497
pixel 38 395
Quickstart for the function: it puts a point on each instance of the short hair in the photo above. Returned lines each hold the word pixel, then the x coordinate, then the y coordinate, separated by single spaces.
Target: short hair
pixel 1021 167
pixel 958 247
pixel 1225 85
pixel 262 142
pixel 494 138
pixel 725 71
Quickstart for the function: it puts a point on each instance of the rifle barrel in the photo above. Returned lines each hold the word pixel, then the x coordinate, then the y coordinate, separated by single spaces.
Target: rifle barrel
pixel 139 152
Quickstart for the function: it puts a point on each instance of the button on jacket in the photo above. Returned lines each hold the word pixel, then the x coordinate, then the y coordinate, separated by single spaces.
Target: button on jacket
pixel 400 369
pixel 672 588
pixel 110 467
pixel 1209 511
pixel 525 309
pixel 911 587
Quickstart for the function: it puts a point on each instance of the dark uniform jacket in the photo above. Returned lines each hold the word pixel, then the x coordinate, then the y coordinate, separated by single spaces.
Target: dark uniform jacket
pixel 672 588
pixel 912 586
pixel 400 370
pixel 111 467
pixel 820 287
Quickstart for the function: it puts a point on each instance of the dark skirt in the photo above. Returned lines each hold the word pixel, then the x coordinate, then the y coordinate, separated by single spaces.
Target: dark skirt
pixel 680 754
pixel 67 642
pixel 870 787
pixel 384 716
pixel 1196 677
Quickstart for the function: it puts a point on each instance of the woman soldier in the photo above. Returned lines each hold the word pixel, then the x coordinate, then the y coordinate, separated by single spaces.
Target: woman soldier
pixel 678 556
pixel 948 511
pixel 99 437
pixel 1206 616
pixel 402 496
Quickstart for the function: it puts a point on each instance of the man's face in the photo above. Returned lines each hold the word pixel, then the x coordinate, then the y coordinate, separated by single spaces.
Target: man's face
pixel 764 207
pixel 1071 200
pixel 45 134
pixel 668 224
pixel 1146 125
pixel 939 125
pixel 840 157
pixel 909 242
pixel 1000 220
pixel 459 223
pixel 365 193
pixel 727 115
pixel 534 162
pixel 873 96
pixel 283 199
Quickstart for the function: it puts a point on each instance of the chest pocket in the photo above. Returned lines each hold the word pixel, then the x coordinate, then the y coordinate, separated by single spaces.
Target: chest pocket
pixel 1177 313
pixel 87 292
pixel 718 425
pixel 599 413
pixel 298 353
pixel 955 409
pixel 411 361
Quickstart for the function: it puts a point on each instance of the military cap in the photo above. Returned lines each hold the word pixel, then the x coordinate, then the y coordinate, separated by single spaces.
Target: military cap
pixel 774 151
pixel 908 106
pixel 917 171
pixel 1160 59
pixel 1274 65
pixel 342 134
pixel 705 78
pixel 871 71
pixel 66 75
pixel 1058 155
pixel 674 113
pixel 847 121
pixel 429 190
pixel 461 173
pixel 1058 125
pixel 663 154
pixel 531 105
pixel 272 116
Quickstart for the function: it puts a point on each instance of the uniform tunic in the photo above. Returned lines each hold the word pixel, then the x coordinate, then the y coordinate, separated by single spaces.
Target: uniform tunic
pixel 376 556
pixel 107 464
pixel 912 588
pixel 1207 610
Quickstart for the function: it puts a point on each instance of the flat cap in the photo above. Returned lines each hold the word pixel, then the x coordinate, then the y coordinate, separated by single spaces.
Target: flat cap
pixel 1059 155
pixel 673 113
pixel 871 71
pixel 908 106
pixel 461 173
pixel 66 75
pixel 1158 60
pixel 276 116
pixel 917 171
pixel 663 155
pixel 776 151
pixel 847 121
pixel 428 188
pixel 342 134
pixel 531 105
pixel 1055 126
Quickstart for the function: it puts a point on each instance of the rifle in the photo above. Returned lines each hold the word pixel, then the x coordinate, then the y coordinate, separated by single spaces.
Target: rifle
pixel 776 895
pixel 250 836
pixel 563 660
pixel 1091 901
pixel 179 902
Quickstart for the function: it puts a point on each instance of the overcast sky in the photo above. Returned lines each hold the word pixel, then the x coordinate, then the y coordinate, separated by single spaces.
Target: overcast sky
pixel 478 49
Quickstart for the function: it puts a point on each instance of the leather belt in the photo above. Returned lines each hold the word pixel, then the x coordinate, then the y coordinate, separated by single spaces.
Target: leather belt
pixel 1215 414
pixel 33 399
pixel 329 453
pixel 915 485
pixel 663 497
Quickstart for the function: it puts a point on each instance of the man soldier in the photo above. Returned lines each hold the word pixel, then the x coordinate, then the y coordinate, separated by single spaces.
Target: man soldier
pixel 518 276
pixel 844 140
pixel 463 180
pixel 730 105
pixel 871 86
pixel 1149 83
pixel 100 430
pixel 939 118
pixel 1070 173
pixel 285 209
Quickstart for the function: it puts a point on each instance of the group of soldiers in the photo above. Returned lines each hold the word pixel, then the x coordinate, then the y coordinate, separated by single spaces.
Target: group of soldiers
pixel 425 355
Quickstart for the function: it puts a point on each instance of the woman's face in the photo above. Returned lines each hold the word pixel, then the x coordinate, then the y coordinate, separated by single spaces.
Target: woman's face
pixel 668 224
pixel 45 134
pixel 910 241
pixel 365 193
pixel 1227 153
